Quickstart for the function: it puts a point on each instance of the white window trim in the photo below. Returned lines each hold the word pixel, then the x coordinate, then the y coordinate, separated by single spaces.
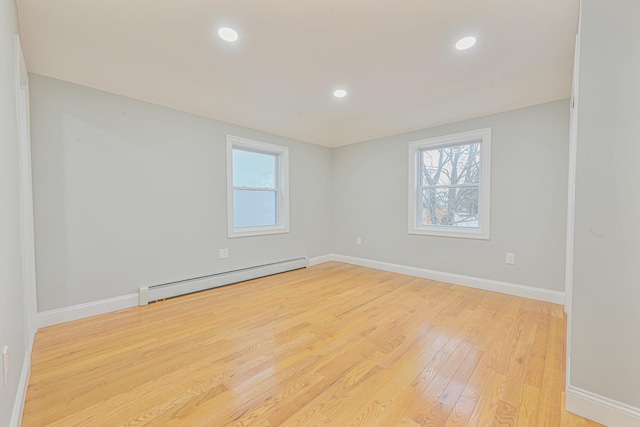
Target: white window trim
pixel 282 224
pixel 485 185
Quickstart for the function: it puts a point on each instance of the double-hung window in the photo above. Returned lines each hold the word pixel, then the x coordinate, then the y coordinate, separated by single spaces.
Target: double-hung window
pixel 257 188
pixel 449 183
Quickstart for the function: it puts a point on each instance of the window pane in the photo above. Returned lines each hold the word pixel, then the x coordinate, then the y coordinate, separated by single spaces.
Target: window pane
pixel 252 169
pixel 254 208
pixel 452 207
pixel 455 165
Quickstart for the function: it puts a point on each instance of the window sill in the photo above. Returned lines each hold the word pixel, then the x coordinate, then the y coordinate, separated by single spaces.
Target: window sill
pixel 478 235
pixel 256 231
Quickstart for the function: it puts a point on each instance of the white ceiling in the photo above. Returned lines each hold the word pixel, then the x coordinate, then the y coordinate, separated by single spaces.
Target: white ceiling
pixel 396 58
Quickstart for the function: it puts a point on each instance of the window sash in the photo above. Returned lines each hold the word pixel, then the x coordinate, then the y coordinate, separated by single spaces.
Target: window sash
pixel 256 188
pixel 275 189
pixel 449 186
pixel 266 204
pixel 275 158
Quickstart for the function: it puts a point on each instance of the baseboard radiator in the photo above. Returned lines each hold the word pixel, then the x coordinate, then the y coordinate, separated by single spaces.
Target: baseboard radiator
pixel 183 287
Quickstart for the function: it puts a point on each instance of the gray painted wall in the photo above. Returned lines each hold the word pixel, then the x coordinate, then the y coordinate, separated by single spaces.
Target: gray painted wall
pixel 528 201
pixel 12 288
pixel 129 194
pixel 605 345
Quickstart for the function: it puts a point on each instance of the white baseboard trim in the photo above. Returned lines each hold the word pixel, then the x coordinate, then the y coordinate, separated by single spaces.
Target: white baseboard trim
pixel 601 409
pixel 21 393
pixel 80 311
pixel 321 259
pixel 540 294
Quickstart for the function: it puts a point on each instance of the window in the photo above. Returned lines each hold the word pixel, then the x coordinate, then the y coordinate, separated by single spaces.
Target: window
pixel 449 181
pixel 257 188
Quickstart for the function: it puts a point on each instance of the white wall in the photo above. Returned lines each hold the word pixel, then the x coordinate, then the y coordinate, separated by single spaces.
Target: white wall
pixel 528 201
pixel 605 345
pixel 129 194
pixel 12 307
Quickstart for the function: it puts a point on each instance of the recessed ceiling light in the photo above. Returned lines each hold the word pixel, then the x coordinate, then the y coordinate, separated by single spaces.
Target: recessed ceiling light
pixel 465 43
pixel 340 93
pixel 228 34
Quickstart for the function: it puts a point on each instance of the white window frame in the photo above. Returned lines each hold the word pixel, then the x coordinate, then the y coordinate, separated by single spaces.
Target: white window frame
pixel 484 196
pixel 282 186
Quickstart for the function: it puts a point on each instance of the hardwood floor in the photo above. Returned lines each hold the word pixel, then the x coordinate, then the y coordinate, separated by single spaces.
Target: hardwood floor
pixel 333 344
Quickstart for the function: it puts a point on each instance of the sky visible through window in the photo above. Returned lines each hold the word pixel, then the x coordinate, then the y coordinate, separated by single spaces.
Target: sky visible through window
pixel 251 169
pixel 254 189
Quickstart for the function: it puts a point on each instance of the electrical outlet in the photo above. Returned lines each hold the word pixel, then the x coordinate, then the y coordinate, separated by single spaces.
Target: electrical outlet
pixel 358 241
pixel 5 364
pixel 223 253
pixel 510 258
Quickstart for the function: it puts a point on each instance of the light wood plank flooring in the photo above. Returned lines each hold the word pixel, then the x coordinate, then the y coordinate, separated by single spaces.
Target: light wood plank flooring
pixel 333 344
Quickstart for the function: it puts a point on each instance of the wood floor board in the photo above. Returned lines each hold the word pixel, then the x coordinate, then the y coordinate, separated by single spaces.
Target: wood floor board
pixel 334 344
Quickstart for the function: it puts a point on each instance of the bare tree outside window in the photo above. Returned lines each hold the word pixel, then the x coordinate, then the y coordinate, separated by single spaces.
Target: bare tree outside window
pixel 450 185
